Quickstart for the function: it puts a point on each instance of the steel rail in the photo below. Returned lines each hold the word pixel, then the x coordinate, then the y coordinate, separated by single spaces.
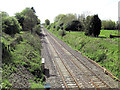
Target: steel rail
pixel 85 66
pixel 78 67
pixel 66 68
pixel 59 71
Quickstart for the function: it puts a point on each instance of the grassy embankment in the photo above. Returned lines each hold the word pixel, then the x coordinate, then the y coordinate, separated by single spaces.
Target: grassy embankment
pixel 103 50
pixel 22 50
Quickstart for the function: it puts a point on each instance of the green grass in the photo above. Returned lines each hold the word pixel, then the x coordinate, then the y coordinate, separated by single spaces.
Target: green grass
pixel 106 34
pixel 25 52
pixel 37 85
pixel 103 49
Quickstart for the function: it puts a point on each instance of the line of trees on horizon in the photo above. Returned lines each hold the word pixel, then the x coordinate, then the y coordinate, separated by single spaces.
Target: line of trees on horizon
pixel 110 25
pixel 91 24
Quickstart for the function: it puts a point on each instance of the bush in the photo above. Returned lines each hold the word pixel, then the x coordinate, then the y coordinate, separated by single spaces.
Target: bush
pixel 74 25
pixel 101 57
pixel 57 28
pixel 10 25
pixel 20 18
pixel 47 22
pixel 62 33
pixel 37 28
pixel 5 51
pixel 49 26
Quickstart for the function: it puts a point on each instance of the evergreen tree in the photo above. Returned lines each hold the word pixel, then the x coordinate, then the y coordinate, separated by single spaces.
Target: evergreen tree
pixel 94 26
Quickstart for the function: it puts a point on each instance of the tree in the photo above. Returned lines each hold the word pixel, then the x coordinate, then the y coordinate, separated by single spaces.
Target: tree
pixel 20 18
pixel 108 25
pixel 88 29
pixel 74 25
pixel 81 18
pixel 63 20
pixel 28 19
pixel 68 19
pixel 10 25
pixel 38 21
pixel 94 26
pixel 118 25
pixel 59 17
pixel 47 22
pixel 33 9
pixel 4 14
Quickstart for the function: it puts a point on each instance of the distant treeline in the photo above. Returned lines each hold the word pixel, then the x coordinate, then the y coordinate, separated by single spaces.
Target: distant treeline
pixel 110 25
pixel 91 24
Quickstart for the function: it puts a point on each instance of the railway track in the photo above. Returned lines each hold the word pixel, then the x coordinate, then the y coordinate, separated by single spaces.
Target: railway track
pixel 74 73
pixel 67 78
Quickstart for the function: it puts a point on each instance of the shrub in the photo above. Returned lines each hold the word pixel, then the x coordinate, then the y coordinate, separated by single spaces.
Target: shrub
pixel 62 33
pixel 74 25
pixel 5 51
pixel 47 22
pixel 20 18
pixel 10 25
pixel 101 57
pixel 37 28
pixel 49 26
pixel 57 28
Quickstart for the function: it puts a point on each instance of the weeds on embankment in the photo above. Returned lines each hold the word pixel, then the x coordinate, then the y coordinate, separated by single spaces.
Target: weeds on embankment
pixel 21 61
pixel 102 49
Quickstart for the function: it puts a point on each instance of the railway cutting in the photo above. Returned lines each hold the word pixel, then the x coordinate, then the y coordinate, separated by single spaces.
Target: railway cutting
pixel 66 68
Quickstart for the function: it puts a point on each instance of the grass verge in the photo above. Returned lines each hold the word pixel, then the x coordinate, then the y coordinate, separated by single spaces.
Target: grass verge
pixel 103 50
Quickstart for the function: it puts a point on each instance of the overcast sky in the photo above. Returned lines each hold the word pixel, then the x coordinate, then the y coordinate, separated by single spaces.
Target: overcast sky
pixel 48 9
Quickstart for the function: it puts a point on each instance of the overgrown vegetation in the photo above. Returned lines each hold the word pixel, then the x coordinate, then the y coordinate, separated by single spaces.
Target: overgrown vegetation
pixel 10 25
pixel 47 22
pixel 103 50
pixel 21 51
pixel 100 47
pixel 70 22
pixel 27 19
pixel 62 33
pixel 109 25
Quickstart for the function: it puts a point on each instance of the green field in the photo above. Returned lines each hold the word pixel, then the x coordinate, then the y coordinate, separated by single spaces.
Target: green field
pixel 21 50
pixel 106 34
pixel 103 49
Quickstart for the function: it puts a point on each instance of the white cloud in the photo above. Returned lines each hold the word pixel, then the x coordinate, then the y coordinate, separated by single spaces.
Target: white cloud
pixel 106 9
